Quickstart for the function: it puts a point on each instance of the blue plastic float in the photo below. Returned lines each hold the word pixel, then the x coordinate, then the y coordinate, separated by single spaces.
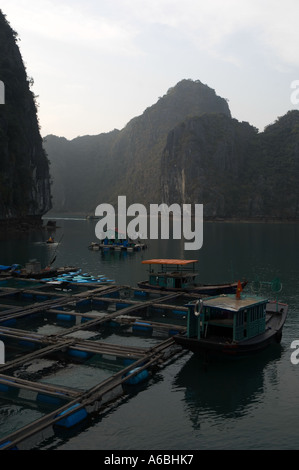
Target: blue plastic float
pixel 136 379
pixel 74 418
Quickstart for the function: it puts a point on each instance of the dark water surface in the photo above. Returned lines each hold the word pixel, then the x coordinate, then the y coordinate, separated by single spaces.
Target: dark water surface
pixel 251 403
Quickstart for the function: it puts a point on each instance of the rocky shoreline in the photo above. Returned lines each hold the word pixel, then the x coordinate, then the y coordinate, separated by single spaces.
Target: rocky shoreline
pixel 21 225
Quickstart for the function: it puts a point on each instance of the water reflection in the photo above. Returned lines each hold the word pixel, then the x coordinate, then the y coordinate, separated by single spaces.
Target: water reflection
pixel 225 388
pixel 256 398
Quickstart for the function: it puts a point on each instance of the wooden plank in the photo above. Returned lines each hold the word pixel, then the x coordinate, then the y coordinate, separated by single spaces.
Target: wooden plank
pixel 54 390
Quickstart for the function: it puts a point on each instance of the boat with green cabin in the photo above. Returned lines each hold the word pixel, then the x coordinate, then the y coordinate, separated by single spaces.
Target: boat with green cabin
pixel 180 275
pixel 233 325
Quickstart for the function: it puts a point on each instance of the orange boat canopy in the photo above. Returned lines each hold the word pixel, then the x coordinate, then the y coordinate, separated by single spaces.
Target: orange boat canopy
pixel 181 262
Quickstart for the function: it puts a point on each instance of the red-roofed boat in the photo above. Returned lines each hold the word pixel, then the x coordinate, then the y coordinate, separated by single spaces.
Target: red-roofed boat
pixel 179 275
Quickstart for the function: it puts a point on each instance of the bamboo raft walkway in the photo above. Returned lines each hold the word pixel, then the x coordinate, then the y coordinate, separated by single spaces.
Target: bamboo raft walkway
pixel 74 405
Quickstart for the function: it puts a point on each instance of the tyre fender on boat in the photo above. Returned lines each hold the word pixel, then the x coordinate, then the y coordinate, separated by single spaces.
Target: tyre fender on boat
pixel 198 307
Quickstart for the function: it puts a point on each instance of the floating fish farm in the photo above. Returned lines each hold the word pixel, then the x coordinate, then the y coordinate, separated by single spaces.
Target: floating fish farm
pixel 72 352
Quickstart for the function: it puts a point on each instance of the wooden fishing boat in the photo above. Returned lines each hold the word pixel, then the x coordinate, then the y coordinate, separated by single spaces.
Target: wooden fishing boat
pixel 180 275
pixel 233 325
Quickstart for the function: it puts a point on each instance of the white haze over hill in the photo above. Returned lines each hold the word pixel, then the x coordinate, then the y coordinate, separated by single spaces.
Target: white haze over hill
pixel 97 64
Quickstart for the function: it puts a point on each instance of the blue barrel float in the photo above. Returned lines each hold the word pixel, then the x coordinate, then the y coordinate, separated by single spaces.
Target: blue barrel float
pixel 144 327
pixel 7 443
pixel 173 332
pixel 77 353
pixel 140 293
pixel 179 312
pixel 86 303
pixel 49 399
pixel 120 305
pixel 42 297
pixel 137 378
pixel 9 322
pixel 65 317
pixel 9 387
pixel 27 343
pixel 72 419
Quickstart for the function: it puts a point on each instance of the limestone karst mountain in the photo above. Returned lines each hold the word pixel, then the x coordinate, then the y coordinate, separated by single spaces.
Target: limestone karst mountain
pixel 128 161
pixel 24 168
pixel 188 149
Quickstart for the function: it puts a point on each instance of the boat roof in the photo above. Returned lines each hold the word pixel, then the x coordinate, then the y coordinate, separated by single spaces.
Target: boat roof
pixel 230 302
pixel 178 262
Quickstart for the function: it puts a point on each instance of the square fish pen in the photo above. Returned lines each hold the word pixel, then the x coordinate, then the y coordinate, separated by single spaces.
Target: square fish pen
pixel 68 356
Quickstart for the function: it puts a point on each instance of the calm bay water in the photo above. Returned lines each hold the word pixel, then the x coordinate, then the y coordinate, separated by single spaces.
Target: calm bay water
pixel 251 403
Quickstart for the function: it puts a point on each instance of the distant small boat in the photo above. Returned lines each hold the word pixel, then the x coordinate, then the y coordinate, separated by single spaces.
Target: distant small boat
pixel 232 326
pixel 94 246
pixel 50 240
pixel 179 275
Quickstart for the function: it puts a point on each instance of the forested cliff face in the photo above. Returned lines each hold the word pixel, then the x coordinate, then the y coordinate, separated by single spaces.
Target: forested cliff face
pixel 205 161
pixel 24 167
pixel 233 170
pixel 128 161
pixel 185 149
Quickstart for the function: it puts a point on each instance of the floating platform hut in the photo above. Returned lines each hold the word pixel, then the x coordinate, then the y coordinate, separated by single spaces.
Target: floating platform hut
pixel 117 241
pixel 117 246
pixel 42 328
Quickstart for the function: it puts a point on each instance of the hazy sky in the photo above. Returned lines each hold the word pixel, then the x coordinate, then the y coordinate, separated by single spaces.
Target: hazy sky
pixel 97 64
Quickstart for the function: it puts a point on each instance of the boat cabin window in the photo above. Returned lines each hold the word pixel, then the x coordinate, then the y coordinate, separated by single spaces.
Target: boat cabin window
pixel 256 323
pixel 228 323
pixel 220 314
pixel 218 323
